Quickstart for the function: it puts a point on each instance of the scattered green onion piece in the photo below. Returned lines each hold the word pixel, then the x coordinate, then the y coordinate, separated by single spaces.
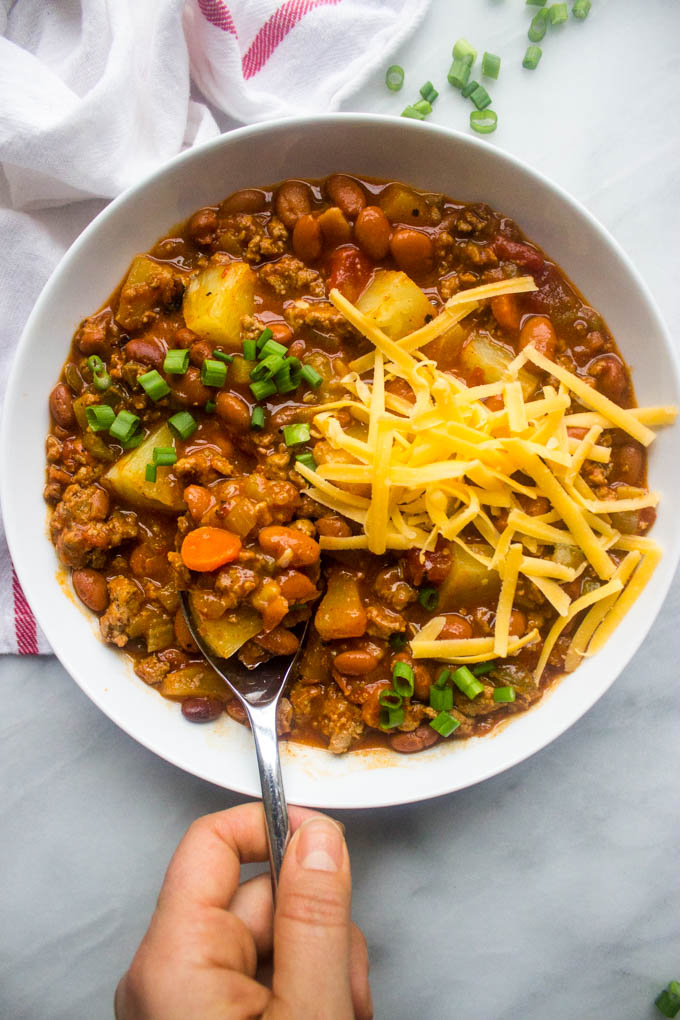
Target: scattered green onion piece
pixel 483 121
pixel 491 65
pixel 558 14
pixel 459 72
pixel 441 699
pixel 532 57
pixel 183 424
pixel 210 407
pixel 265 335
pixel 403 679
pixel 263 388
pixel 390 718
pixel 150 473
pixel 504 695
pixel 429 598
pixel 464 51
pixel 267 368
pixel 164 456
pixel 124 426
pixel 250 350
pixel 257 418
pixel 284 381
pixel 390 699
pixel 668 1002
pixel 398 642
pixel 535 3
pixel 481 98
pixel 429 92
pixel 444 724
pixel 422 106
pixel 443 679
pixel 410 111
pixel 154 385
pixel 134 441
pixel 221 356
pixel 466 682
pixel 271 347
pixel 176 362
pixel 95 364
pixel 307 460
pixel 294 434
pixel 99 417
pixel 468 89
pixel 394 77
pixel 100 377
pixel 538 26
pixel 311 376
pixel 213 372
pixel 482 668
pixel 580 9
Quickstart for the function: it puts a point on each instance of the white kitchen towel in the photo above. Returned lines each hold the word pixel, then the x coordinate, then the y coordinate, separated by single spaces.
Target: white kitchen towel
pixel 94 94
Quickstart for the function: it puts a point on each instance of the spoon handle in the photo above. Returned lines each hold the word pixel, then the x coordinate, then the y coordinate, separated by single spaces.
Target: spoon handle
pixel 263 723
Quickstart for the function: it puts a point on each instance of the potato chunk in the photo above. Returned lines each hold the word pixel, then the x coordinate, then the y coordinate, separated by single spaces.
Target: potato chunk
pixel 469 582
pixel 127 477
pixel 148 284
pixel 492 360
pixel 226 636
pixel 195 681
pixel 216 300
pixel 395 304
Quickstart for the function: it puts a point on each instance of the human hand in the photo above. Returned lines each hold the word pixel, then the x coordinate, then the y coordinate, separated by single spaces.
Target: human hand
pixel 200 955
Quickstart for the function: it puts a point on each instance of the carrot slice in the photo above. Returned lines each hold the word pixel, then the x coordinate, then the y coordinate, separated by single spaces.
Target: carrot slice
pixel 209 548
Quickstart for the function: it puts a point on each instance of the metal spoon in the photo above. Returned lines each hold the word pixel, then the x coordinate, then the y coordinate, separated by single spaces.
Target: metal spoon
pixel 259 691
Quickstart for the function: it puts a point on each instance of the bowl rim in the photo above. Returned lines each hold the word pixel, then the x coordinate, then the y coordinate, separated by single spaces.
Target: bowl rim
pixel 655 596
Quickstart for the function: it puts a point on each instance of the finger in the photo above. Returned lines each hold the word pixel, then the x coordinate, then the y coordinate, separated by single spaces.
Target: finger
pixel 312 924
pixel 253 904
pixel 359 966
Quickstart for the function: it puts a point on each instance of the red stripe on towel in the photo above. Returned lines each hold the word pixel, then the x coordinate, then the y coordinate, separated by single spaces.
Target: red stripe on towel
pixel 218 15
pixel 275 30
pixel 24 620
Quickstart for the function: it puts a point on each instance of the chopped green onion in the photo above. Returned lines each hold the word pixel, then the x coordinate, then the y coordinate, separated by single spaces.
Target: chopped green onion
pixel 398 642
pixel 250 350
pixel 429 92
pixel 410 111
pixel 150 473
pixel 429 598
pixel 213 372
pixel 100 377
pixel 263 388
pixel 311 376
pixel 221 356
pixel 289 375
pixel 394 77
pixel 390 718
pixel 464 51
pixel 481 98
pixel 307 460
pixel 294 434
pixel 538 26
pixel 265 335
pixel 154 385
pixel 183 424
pixel 95 364
pixel 668 1002
pixel 468 89
pixel 176 362
pixel 532 57
pixel 267 368
pixel 422 106
pixel 403 679
pixel 164 456
pixel 124 426
pixel 441 699
pixel 535 3
pixel 483 121
pixel 504 695
pixel 459 72
pixel 134 441
pixel 482 668
pixel 101 381
pixel 444 724
pixel 580 9
pixel 558 13
pixel 390 699
pixel 210 407
pixel 466 682
pixel 271 347
pixel 99 417
pixel 257 418
pixel 491 65
pixel 443 678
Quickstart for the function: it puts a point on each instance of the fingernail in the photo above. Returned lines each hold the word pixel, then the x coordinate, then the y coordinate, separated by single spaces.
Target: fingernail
pixel 320 845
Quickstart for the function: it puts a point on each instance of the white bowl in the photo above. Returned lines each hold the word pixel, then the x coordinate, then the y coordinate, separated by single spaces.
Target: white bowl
pixel 428 157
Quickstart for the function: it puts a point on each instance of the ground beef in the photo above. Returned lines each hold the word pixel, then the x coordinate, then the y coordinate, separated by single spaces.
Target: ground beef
pixel 382 621
pixel 289 277
pixel 82 529
pixel 125 601
pixel 321 317
pixel 392 589
pixel 203 467
pixel 151 669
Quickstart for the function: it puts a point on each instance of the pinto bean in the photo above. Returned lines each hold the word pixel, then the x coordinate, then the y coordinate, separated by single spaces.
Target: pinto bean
pixel 199 351
pixel 347 194
pixel 91 588
pixel 150 350
pixel 334 227
pixel 610 375
pixel 355 662
pixel 198 499
pixel 505 310
pixel 174 658
pixel 419 739
pixel 372 230
pixel 333 527
pixel 184 338
pixel 293 200
pixel 628 463
pixel 456 628
pixel 412 251
pixel 297 548
pixel 247 200
pixel 233 411
pixel 539 331
pixel 61 405
pixel 183 634
pixel 188 390
pixel 307 239
pixel 202 709
pixel 279 641
pixel 202 227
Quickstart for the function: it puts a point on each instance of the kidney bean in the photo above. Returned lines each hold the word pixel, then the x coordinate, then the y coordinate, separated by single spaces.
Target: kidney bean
pixel 347 194
pixel 188 390
pixel 333 527
pixel 233 411
pixel 335 227
pixel 247 200
pixel 417 740
pixel 350 271
pixel 373 231
pixel 355 662
pixel 183 634
pixel 628 463
pixel 505 310
pixel 202 709
pixel 610 375
pixel 456 628
pixel 199 351
pixel 174 658
pixel 412 251
pixel 293 200
pixel 61 405
pixel 296 587
pixel 183 338
pixel 307 239
pixel 202 227
pixel 299 549
pixel 237 712
pixel 539 331
pixel 150 350
pixel 91 588
pixel 279 641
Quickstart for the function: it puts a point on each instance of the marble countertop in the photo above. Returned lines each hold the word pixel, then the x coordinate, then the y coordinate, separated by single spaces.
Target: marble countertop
pixel 557 883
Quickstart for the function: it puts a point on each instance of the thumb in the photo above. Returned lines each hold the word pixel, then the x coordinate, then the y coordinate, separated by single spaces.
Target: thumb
pixel 312 925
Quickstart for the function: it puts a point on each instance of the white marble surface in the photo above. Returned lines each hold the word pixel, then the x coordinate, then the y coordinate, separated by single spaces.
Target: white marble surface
pixel 547 893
